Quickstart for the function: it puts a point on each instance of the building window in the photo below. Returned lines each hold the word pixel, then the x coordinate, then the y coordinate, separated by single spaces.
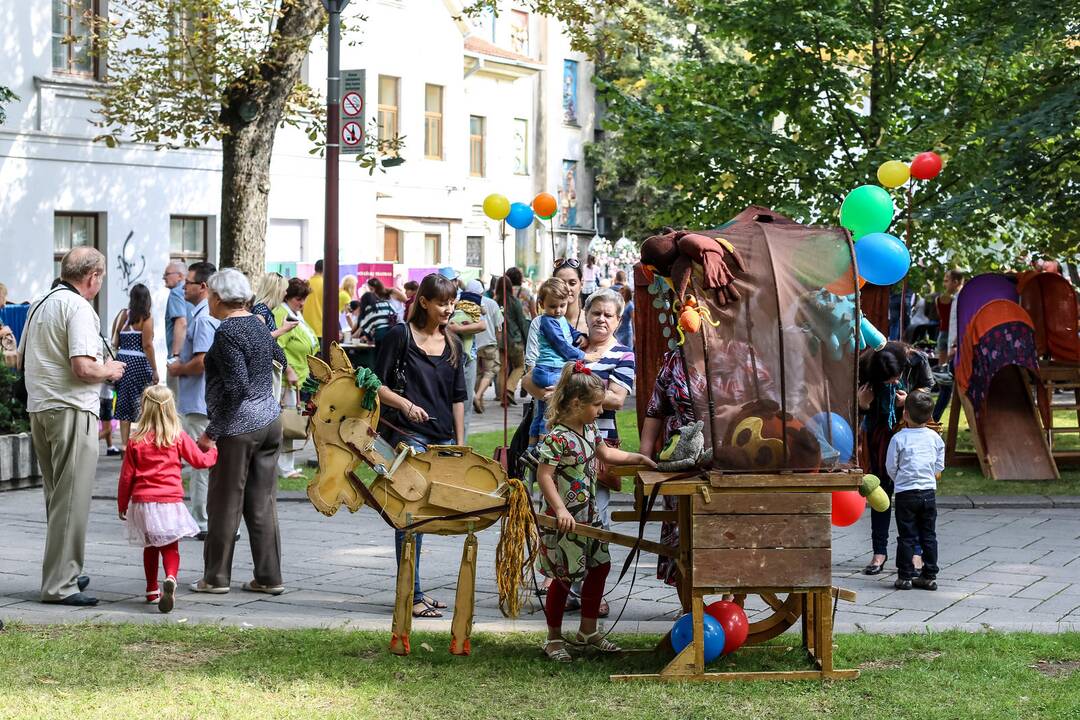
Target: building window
pixel 569 92
pixel 433 122
pixel 72 230
pixel 476 146
pixel 391 245
pixel 519 32
pixel 388 107
pixel 432 241
pixel 72 46
pixel 521 146
pixel 474 251
pixel 184 35
pixel 568 194
pixel 187 238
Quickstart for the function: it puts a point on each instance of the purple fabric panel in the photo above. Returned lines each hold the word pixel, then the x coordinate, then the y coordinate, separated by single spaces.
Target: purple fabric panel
pixel 978 291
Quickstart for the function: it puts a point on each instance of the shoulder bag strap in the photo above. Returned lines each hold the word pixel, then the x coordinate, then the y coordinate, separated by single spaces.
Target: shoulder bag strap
pixel 29 319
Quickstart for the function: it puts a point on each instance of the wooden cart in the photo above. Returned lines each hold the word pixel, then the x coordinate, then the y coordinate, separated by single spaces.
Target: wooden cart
pixel 768 535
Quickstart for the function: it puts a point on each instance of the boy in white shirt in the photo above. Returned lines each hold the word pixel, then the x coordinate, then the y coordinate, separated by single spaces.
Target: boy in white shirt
pixel 914 460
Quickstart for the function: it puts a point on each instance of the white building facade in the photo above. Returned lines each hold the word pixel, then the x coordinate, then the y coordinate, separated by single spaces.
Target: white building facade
pixel 499 104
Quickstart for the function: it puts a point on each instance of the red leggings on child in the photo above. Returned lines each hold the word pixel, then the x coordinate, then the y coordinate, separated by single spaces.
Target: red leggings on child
pixel 592 592
pixel 170 559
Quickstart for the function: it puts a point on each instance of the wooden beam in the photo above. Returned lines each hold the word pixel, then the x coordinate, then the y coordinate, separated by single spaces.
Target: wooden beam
pixel 611 537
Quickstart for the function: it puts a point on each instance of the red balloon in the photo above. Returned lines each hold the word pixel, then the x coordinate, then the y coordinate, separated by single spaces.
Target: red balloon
pixel 847 507
pixel 733 619
pixel 925 166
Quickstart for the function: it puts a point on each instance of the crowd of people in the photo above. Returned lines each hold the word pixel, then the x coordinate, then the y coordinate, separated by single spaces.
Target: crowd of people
pixel 237 359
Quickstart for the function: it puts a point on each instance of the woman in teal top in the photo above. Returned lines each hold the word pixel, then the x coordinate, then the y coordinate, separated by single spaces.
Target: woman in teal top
pixel 297 343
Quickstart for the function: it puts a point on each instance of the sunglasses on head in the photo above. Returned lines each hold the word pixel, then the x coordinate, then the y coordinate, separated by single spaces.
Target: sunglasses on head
pixel 572 263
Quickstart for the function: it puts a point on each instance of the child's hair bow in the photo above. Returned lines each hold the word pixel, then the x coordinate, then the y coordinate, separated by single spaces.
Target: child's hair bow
pixel 581 367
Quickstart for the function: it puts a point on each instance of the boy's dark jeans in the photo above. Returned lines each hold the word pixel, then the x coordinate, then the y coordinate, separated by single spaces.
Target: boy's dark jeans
pixel 916 521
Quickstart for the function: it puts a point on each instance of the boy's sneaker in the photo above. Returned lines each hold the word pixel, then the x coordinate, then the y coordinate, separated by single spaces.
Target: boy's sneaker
pixel 902 584
pixel 924 583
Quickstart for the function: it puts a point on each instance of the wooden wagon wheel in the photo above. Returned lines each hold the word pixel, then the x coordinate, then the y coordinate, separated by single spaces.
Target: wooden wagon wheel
pixel 786 613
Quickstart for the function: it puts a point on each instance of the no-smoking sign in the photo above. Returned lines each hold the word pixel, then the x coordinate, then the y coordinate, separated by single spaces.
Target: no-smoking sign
pixel 352 133
pixel 352 104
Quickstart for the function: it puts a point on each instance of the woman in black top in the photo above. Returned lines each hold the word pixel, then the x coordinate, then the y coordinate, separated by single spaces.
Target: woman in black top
pixel 431 405
pixel 244 423
pixel 886 377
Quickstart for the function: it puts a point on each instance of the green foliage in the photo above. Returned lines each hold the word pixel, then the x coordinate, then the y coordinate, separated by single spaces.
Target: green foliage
pixel 6 96
pixel 13 417
pixel 793 104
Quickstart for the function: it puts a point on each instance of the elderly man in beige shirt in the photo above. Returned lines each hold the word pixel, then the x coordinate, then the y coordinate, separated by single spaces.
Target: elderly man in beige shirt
pixel 62 353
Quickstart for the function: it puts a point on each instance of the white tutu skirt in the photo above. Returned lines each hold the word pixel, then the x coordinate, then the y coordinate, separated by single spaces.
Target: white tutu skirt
pixel 159 524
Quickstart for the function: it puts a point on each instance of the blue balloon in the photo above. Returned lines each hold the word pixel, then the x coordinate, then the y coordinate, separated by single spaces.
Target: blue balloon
pixel 882 258
pixel 834 430
pixel 682 633
pixel 520 217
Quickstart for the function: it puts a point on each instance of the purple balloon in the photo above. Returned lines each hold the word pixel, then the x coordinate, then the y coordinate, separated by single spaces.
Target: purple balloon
pixel 882 258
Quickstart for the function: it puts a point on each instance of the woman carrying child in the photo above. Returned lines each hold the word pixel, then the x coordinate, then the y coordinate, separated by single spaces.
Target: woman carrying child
pixel 567 475
pixel 150 496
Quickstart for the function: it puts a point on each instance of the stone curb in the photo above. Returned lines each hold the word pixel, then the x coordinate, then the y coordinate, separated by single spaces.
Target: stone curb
pixel 945 502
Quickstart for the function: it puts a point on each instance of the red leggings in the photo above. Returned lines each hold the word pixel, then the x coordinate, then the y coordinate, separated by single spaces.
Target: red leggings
pixel 592 592
pixel 170 559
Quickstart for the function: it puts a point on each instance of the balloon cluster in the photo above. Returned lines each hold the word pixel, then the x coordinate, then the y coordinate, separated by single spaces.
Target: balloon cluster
pixel 725 629
pixel 867 212
pixel 519 215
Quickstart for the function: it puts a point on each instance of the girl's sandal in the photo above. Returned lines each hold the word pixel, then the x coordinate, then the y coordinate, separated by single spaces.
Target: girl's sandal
pixel 153 597
pixel 597 641
pixel 556 651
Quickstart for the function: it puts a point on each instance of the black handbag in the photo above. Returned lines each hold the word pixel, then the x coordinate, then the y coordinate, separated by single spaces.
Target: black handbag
pixel 398 380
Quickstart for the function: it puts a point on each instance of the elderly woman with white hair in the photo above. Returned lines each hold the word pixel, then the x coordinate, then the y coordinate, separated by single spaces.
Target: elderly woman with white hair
pixel 244 423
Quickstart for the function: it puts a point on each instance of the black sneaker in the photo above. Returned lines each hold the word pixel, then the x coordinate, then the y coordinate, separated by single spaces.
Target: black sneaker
pixel 925 583
pixel 902 584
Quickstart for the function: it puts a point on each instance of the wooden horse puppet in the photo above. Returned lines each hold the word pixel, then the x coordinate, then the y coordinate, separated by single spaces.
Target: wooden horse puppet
pixel 445 490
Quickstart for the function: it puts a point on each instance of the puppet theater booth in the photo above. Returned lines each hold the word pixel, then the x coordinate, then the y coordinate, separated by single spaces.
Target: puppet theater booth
pixel 761 317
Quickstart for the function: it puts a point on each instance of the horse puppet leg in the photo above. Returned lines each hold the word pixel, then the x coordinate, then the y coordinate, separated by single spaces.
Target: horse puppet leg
pixel 403 598
pixel 464 600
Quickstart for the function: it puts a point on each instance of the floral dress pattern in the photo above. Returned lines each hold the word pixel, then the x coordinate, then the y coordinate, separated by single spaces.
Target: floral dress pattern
pixel 568 556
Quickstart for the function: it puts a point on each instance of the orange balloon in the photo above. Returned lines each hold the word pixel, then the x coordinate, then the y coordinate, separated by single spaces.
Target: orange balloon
pixel 545 206
pixel 844 285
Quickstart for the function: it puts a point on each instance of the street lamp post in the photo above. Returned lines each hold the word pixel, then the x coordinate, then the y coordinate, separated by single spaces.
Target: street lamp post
pixel 331 325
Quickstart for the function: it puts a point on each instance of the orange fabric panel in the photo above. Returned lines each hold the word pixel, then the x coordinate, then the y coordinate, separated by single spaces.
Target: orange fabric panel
pixel 1051 302
pixel 990 315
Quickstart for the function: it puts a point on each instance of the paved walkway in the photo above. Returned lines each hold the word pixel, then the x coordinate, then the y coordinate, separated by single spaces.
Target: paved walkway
pixel 1011 568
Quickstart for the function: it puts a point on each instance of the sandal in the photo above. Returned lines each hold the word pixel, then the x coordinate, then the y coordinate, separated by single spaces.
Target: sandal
pixel 253 586
pixel 557 654
pixel 598 641
pixel 295 475
pixel 432 603
pixel 153 597
pixel 427 612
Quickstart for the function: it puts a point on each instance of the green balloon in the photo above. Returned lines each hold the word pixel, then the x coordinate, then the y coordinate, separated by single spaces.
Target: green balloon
pixel 867 209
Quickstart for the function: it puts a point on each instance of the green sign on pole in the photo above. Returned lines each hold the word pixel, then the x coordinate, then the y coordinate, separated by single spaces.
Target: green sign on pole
pixel 353 83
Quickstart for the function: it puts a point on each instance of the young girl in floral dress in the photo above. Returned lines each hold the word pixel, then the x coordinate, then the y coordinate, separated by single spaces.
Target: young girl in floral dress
pixel 150 495
pixel 567 475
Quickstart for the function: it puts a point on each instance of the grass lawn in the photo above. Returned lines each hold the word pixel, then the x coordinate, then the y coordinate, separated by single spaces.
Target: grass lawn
pixel 177 671
pixel 954 481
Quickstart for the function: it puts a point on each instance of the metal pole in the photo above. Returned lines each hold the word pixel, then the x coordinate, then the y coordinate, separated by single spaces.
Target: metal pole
pixel 331 326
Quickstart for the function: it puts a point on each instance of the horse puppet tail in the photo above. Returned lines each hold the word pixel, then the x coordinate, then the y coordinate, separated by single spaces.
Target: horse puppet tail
pixel 518 536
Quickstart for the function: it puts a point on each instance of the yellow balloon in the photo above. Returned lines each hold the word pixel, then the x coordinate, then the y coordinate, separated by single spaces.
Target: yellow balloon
pixel 893 173
pixel 496 206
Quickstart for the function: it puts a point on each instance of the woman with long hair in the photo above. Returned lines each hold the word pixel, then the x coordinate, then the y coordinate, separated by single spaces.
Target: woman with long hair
pixel 423 373
pixel 133 338
pixel 269 294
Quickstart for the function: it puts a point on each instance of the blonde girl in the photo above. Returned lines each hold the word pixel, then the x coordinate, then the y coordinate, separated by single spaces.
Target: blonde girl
pixel 567 471
pixel 150 496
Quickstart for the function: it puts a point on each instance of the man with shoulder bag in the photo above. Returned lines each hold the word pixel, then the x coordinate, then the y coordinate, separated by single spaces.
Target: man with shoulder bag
pixel 62 354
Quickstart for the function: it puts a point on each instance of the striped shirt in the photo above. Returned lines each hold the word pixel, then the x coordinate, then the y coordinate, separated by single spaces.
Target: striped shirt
pixel 378 317
pixel 614 366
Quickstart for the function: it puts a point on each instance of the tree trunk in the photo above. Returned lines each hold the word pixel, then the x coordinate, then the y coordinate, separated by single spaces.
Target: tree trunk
pixel 247 148
pixel 245 190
